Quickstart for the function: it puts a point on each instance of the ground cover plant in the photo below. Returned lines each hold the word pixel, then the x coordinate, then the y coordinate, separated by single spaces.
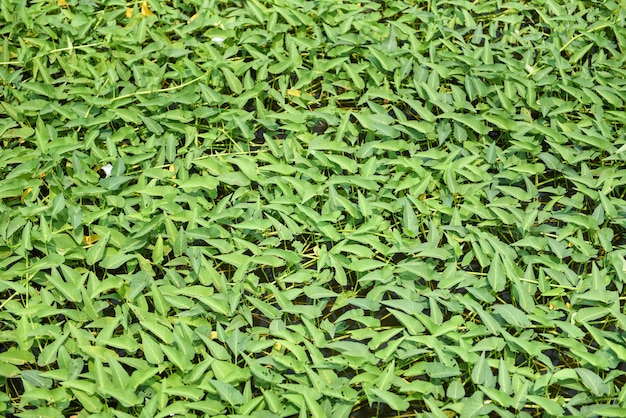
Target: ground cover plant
pixel 312 208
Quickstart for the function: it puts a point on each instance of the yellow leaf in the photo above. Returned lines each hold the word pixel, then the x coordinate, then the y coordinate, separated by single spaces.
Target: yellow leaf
pixel 295 93
pixel 26 192
pixel 145 10
pixel 62 3
pixel 171 169
pixel 90 239
pixel 192 18
pixel 129 12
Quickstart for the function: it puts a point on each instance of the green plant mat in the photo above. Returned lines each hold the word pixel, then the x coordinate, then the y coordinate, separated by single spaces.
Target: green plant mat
pixel 323 208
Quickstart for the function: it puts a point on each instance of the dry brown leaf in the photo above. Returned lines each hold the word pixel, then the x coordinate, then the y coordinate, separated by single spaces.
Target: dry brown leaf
pixel 145 10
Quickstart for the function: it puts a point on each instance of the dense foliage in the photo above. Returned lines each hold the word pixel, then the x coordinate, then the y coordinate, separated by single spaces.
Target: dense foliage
pixel 277 208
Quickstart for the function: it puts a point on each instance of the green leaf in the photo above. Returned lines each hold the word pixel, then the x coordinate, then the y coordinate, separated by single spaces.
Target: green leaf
pixel 396 402
pixel 96 251
pixel 481 372
pixel 9 370
pixel 49 354
pixel 593 382
pixel 455 390
pixel 125 397
pixel 180 243
pixel 228 393
pixel 512 315
pixel 471 121
pixel 36 378
pixel 196 182
pixel 387 376
pixel 272 400
pixel 17 357
pixel 353 73
pixel 551 406
pixel 140 376
pixel 42 89
pixel 318 292
pixel 177 357
pixel 496 277
pixel 498 396
pixel 159 330
pixel 376 123
pixel 413 326
pixel 263 373
pixel 67 288
pixel 209 407
pixel 438 370
pixel 501 122
pixel 385 61
pixel 90 403
pixel 313 406
pixel 610 411
pixel 119 375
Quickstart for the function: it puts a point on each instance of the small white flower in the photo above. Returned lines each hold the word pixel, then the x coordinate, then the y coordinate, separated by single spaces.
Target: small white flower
pixel 218 40
pixel 107 169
